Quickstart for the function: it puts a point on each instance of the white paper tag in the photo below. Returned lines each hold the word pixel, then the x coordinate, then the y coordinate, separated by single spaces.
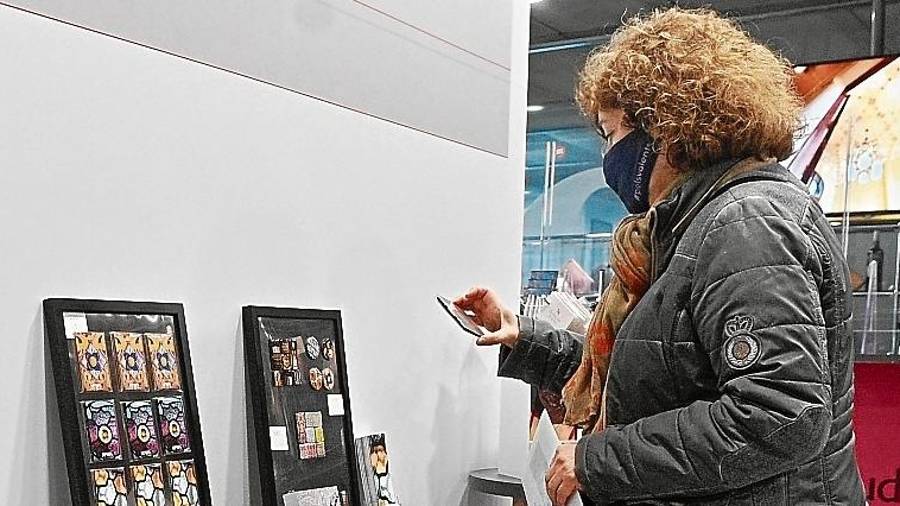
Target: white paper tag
pixel 278 439
pixel 540 456
pixel 335 405
pixel 74 322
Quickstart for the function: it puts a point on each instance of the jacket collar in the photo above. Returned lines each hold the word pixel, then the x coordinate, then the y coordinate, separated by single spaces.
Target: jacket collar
pixel 675 212
pixel 689 194
pixel 672 216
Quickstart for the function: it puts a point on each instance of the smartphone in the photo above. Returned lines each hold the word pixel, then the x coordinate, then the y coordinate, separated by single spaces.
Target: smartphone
pixel 463 319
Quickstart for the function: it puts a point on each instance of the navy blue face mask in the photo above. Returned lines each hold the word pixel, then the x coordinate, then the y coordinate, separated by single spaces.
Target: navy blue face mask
pixel 627 166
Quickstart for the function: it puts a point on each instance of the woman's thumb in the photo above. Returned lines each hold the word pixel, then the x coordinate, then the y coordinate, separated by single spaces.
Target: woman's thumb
pixel 489 339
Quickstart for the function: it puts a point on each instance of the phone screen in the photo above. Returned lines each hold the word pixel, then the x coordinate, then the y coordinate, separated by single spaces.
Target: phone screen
pixel 462 319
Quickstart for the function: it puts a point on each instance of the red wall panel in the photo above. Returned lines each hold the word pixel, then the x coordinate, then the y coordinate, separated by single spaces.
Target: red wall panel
pixel 877 423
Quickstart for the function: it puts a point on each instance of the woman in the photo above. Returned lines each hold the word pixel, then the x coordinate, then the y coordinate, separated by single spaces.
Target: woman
pixel 718 366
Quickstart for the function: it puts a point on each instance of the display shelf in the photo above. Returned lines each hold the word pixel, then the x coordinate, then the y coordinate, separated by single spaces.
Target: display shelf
pixel 491 481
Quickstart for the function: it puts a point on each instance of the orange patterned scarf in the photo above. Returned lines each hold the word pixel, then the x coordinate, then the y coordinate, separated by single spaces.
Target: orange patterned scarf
pixel 631 262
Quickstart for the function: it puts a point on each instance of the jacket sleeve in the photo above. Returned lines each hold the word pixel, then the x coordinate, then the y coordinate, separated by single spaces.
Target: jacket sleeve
pixel 543 357
pixel 756 314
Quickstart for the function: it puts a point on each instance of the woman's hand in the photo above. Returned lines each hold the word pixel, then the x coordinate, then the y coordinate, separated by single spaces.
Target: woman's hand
pixel 562 482
pixel 490 313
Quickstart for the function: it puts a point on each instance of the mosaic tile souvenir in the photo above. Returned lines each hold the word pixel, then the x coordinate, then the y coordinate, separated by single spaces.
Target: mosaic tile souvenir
pixel 328 379
pixel 315 378
pixel 312 348
pixel 327 349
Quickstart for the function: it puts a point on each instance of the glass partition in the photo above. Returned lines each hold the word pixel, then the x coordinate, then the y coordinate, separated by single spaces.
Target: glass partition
pixel 570 213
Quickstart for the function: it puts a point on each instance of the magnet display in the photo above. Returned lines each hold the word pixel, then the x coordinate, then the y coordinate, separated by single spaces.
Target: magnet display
pixel 296 378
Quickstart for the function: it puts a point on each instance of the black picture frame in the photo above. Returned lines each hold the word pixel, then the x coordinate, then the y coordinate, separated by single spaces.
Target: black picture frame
pixel 68 398
pixel 260 399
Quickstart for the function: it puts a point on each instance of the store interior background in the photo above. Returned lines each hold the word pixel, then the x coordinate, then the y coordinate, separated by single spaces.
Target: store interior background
pixel 574 219
pixel 563 32
pixel 326 157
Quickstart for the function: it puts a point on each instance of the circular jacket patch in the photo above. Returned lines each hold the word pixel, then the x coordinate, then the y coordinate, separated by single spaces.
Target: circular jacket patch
pixel 741 351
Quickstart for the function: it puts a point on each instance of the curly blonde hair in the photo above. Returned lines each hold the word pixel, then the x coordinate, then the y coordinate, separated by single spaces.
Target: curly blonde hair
pixel 698 84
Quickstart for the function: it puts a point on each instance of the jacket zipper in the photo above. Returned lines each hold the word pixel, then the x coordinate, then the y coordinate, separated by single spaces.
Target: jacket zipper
pixel 652 215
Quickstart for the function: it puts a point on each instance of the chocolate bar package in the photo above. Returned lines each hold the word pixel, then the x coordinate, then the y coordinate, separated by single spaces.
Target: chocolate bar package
pixel 110 487
pixel 183 483
pixel 132 361
pixel 141 429
pixel 149 489
pixel 101 427
pixel 172 426
pixel 163 361
pixel 93 361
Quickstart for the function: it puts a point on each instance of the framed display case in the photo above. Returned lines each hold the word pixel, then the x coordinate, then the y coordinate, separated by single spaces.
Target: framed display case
pixel 299 422
pixel 127 408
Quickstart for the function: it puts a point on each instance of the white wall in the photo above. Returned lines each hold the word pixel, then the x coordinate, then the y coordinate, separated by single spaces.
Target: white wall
pixel 129 174
pixel 366 55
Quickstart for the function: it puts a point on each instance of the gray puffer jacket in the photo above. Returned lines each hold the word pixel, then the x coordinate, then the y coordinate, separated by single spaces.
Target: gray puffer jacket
pixel 731 382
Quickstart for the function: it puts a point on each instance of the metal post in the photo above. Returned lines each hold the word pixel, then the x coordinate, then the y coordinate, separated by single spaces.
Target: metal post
pixel 546 197
pixel 552 186
pixel 845 232
pixel 551 189
pixel 870 316
pixel 877 47
pixel 896 293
